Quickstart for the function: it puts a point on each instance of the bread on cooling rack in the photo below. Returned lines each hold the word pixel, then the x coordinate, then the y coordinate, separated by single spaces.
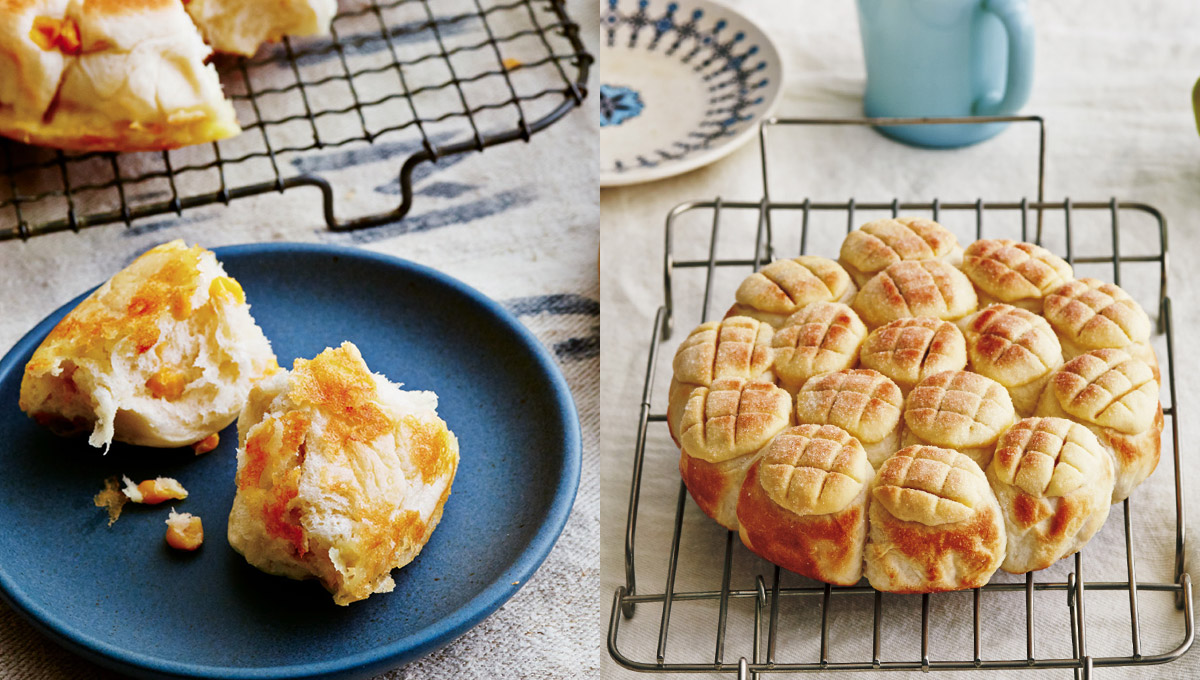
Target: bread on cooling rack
pixel 722 429
pixel 877 245
pixel 1054 483
pixel 163 354
pixel 863 402
pixel 1115 395
pixel 1014 347
pixel 342 476
pixel 958 410
pixel 241 26
pixel 910 350
pixel 108 75
pixel 935 524
pixel 803 505
pixel 915 288
pixel 779 289
pixel 821 337
pixel 1090 314
pixel 735 347
pixel 1020 274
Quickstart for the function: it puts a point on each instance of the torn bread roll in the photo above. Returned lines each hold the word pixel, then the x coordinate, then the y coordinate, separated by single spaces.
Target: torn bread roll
pixel 958 410
pixel 1014 272
pixel 1054 482
pixel 915 288
pixel 163 354
pixel 783 287
pixel 863 402
pixel 722 430
pixel 803 504
pixel 342 476
pixel 820 338
pixel 1114 395
pixel 1014 347
pixel 877 245
pixel 910 350
pixel 241 26
pixel 934 524
pixel 1091 314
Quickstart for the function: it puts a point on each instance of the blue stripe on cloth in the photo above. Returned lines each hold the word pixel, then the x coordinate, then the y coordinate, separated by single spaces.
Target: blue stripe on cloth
pixel 558 303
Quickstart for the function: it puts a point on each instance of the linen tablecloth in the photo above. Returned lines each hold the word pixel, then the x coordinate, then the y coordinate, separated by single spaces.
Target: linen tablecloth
pixel 1113 82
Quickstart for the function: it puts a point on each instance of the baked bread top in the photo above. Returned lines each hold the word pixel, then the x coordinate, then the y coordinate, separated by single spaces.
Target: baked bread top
pixel 732 418
pixel 735 347
pixel 958 409
pixel 241 26
pixel 821 337
pixel 785 286
pixel 1010 345
pixel 1048 457
pixel 1014 270
pixel 813 469
pixel 930 485
pixel 861 401
pixel 1094 314
pixel 877 245
pixel 916 288
pixel 910 350
pixel 1109 388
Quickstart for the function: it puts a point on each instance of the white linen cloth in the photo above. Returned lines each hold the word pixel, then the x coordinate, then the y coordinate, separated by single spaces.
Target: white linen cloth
pixel 1113 82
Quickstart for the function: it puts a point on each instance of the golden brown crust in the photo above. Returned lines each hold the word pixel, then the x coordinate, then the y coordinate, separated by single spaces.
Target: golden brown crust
pixel 1092 314
pixel 910 350
pixel 813 469
pixel 1011 345
pixel 958 409
pixel 863 402
pixel 784 286
pixel 1011 271
pixel 715 486
pixel 915 288
pixel 1109 388
pixel 1046 457
pixel 877 245
pixel 735 347
pixel 732 418
pixel 821 337
pixel 929 485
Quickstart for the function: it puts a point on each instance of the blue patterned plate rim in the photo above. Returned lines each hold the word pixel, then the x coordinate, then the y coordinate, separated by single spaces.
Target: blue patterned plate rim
pixel 413 646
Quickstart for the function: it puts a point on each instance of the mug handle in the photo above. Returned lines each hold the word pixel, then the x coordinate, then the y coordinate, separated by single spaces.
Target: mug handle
pixel 1018 23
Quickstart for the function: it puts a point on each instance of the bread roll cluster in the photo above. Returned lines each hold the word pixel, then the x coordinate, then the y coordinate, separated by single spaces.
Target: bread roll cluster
pixel 915 412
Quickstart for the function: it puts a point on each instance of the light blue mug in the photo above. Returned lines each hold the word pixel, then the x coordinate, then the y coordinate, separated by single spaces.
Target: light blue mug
pixel 946 58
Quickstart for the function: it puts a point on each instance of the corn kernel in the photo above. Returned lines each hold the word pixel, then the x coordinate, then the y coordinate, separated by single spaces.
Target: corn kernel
pixel 56 34
pixel 207 444
pixel 224 286
pixel 184 531
pixel 167 383
pixel 155 491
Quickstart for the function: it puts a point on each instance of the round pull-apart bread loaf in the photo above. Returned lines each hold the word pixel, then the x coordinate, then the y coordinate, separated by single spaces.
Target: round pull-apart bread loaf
pixel 861 401
pixel 1089 314
pixel 342 476
pixel 779 289
pixel 163 354
pixel 935 524
pixel 1014 347
pixel 803 504
pixel 1114 395
pixel 722 429
pixel 910 350
pixel 958 410
pixel 1020 274
pixel 821 337
pixel 877 245
pixel 1054 482
pixel 915 288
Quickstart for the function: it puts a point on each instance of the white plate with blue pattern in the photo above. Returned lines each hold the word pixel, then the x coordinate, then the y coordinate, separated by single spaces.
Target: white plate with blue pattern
pixel 682 84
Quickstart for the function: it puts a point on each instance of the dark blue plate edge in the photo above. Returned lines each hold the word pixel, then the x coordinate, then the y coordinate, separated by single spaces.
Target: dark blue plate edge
pixel 406 649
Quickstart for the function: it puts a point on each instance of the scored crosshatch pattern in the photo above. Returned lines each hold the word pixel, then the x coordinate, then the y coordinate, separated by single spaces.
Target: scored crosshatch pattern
pixel 442 76
pixel 766 619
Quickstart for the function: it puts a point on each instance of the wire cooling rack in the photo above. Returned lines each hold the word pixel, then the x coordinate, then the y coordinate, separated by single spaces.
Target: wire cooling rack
pixel 440 77
pixel 789 623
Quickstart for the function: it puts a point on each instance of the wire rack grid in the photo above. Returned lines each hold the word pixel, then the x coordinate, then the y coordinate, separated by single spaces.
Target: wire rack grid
pixel 435 77
pixel 860 608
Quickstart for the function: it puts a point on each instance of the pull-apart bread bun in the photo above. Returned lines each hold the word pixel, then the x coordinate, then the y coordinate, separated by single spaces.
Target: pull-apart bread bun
pixel 1054 482
pixel 915 288
pixel 935 524
pixel 877 245
pixel 1018 273
pixel 107 75
pixel 722 430
pixel 958 410
pixel 735 347
pixel 1114 395
pixel 1014 347
pixel 803 505
pixel 163 354
pixel 1090 314
pixel 910 350
pixel 781 288
pixel 820 338
pixel 241 26
pixel 341 476
pixel 860 401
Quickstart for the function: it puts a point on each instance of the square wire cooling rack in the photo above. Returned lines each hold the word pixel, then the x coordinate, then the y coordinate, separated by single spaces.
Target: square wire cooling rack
pixel 718 607
pixel 440 77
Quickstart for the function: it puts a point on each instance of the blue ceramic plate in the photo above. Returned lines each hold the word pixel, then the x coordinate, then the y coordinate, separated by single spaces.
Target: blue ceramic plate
pixel 120 597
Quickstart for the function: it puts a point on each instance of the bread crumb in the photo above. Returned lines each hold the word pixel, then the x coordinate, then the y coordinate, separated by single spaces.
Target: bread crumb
pixel 154 491
pixel 184 531
pixel 111 498
pixel 511 64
